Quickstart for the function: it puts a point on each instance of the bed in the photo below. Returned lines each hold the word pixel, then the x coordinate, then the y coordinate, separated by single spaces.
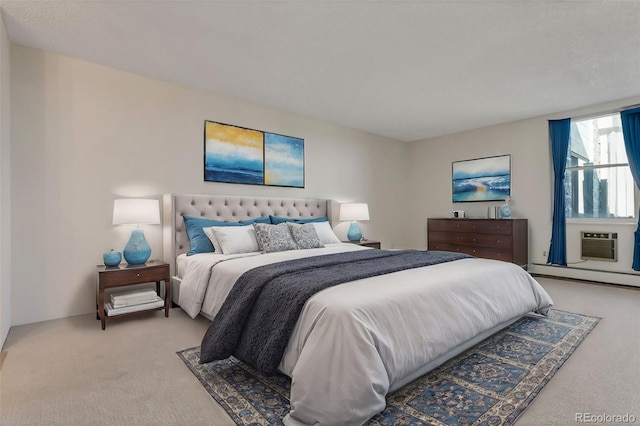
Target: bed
pixel 354 342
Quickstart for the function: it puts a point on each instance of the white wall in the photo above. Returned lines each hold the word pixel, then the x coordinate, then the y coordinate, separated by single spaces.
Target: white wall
pixel 5 185
pixel 84 134
pixel 528 143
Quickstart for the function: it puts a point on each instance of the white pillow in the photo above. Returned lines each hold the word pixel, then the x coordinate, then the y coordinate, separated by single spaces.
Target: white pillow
pixel 208 231
pixel 325 233
pixel 236 239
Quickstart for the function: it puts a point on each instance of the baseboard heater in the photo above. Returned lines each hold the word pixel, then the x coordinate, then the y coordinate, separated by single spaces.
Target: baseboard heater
pixel 599 246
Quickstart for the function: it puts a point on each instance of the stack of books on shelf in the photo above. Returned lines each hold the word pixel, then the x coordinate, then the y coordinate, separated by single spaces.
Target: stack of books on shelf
pixel 132 301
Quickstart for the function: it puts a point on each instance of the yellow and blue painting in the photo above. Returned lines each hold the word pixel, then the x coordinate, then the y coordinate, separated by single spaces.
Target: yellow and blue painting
pixel 283 160
pixel 482 179
pixel 233 154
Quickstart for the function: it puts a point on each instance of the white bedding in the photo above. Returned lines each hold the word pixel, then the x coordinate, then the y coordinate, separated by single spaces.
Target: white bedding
pixel 355 342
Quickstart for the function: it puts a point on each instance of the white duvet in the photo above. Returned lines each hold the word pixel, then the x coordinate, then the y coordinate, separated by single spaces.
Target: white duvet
pixel 355 342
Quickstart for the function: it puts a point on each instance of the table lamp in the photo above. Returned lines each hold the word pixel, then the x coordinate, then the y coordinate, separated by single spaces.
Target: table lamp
pixel 133 211
pixel 354 212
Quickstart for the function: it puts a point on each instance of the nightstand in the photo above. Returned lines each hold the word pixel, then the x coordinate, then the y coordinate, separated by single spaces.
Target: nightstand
pixel 367 243
pixel 124 275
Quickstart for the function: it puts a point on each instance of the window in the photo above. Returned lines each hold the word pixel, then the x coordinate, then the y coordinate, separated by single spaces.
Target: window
pixel 598 181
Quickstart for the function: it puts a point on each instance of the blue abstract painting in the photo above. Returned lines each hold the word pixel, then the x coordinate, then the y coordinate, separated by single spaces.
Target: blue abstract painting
pixel 482 179
pixel 233 154
pixel 236 154
pixel 283 160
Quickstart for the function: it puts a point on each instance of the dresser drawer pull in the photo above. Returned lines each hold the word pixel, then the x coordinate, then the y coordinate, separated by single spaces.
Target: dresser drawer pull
pixel 138 275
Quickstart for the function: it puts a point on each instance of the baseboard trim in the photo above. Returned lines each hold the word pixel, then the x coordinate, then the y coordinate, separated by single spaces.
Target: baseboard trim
pixel 580 280
pixel 609 277
pixel 577 268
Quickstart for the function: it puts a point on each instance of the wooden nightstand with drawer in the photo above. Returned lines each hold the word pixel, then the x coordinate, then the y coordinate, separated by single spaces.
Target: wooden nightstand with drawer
pixel 125 275
pixel 501 239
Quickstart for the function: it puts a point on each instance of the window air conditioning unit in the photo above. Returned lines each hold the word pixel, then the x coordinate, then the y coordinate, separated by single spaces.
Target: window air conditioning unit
pixel 599 246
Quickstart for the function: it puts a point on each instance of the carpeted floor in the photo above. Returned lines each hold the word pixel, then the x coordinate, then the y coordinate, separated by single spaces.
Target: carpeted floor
pixel 490 384
pixel 69 372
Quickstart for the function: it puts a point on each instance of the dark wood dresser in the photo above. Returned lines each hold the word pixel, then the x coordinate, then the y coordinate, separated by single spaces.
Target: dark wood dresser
pixel 502 239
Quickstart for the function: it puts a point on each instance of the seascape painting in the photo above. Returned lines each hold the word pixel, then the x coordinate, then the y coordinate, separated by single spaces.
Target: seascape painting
pixel 283 160
pixel 482 179
pixel 233 154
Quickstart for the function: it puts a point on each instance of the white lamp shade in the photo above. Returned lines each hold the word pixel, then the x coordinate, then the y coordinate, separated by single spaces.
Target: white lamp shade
pixel 354 211
pixel 135 211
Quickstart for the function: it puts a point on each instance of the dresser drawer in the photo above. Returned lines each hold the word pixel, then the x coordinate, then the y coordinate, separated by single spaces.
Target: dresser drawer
pixel 497 226
pixel 478 240
pixel 484 252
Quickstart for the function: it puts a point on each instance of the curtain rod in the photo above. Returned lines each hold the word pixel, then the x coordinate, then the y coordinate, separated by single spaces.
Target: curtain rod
pixel 603 113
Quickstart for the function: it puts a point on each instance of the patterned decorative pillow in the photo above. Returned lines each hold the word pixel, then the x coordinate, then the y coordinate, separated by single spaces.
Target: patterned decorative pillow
pixel 273 238
pixel 305 235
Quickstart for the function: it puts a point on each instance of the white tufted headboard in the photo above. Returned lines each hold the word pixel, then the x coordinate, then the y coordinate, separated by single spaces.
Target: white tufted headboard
pixel 227 208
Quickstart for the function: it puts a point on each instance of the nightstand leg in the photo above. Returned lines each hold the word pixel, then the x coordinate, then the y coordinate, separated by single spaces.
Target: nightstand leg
pixel 101 307
pixel 167 297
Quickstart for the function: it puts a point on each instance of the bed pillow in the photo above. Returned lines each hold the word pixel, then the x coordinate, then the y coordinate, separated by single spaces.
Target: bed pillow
pixel 304 235
pixel 212 237
pixel 325 233
pixel 199 241
pixel 279 219
pixel 235 239
pixel 272 238
pixel 208 231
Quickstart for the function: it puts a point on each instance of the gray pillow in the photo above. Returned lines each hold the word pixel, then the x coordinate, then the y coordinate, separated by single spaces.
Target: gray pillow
pixel 273 238
pixel 305 235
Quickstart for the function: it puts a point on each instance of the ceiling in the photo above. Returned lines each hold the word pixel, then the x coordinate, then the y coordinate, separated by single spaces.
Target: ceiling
pixel 407 70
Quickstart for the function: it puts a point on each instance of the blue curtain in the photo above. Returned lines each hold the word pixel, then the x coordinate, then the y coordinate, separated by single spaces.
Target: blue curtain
pixel 631 132
pixel 559 138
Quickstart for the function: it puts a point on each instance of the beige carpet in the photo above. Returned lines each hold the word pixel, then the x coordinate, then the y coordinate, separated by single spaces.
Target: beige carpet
pixel 69 372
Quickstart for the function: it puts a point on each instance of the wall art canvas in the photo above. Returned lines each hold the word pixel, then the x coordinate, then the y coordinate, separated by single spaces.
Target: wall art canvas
pixel 283 160
pixel 482 179
pixel 234 154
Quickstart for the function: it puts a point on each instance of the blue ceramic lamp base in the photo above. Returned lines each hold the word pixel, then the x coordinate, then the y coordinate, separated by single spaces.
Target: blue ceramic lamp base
pixel 137 251
pixel 354 233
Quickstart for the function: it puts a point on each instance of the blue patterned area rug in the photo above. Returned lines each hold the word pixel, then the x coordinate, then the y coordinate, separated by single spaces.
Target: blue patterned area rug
pixel 489 384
